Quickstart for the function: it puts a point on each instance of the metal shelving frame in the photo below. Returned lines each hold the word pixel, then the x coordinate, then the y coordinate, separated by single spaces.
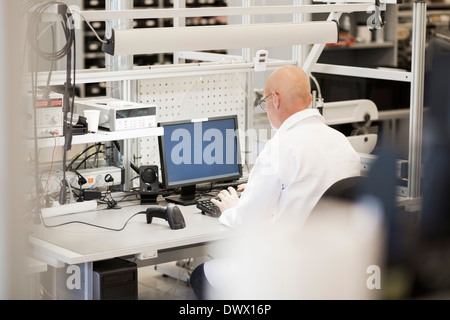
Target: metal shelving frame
pixel 415 77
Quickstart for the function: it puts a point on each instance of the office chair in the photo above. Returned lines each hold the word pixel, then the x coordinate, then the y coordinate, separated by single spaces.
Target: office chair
pixel 345 189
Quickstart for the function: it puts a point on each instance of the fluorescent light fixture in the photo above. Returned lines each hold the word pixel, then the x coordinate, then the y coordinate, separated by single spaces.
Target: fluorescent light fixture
pixel 161 40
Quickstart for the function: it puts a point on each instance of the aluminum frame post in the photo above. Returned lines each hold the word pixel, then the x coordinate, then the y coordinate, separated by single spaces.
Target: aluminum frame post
pixel 124 89
pixel 417 91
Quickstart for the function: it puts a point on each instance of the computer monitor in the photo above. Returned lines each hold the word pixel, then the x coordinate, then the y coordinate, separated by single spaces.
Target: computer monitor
pixel 198 151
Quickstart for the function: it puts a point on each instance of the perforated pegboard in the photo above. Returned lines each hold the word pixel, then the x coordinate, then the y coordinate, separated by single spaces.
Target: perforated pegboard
pixel 192 97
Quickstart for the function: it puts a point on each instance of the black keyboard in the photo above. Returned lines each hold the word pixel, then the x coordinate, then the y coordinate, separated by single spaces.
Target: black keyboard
pixel 208 208
pixel 233 184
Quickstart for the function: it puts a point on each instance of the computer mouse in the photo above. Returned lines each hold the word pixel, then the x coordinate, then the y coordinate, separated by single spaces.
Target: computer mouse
pixel 171 213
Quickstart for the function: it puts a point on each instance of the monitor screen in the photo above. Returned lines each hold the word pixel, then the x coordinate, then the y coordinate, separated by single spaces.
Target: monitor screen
pixel 198 151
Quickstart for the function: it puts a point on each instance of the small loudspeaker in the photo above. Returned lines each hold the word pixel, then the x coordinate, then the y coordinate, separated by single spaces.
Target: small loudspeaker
pixel 149 184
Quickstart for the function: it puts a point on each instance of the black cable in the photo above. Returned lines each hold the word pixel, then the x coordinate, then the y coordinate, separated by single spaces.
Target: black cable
pixel 69 166
pixel 93 225
pixel 67 132
pixel 85 159
pixel 134 167
pixel 112 203
pixel 134 193
pixel 81 179
pixel 33 29
pixel 72 107
pixel 116 143
pixel 96 156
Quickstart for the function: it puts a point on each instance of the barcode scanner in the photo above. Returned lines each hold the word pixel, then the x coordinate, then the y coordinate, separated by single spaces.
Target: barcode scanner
pixel 171 213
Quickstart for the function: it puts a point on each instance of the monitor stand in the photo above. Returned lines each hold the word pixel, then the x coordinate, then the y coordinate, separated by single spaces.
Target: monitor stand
pixel 185 198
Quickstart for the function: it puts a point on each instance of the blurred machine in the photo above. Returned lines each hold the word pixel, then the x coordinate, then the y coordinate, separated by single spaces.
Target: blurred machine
pixel 360 114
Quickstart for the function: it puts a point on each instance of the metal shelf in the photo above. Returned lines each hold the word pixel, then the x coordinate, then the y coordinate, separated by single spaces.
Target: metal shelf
pixel 370 45
pixel 101 136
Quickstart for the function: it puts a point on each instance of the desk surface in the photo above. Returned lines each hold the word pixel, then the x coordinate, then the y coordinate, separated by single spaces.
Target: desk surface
pixel 79 243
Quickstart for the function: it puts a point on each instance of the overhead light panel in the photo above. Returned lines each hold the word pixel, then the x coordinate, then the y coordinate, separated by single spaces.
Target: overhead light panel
pixel 162 40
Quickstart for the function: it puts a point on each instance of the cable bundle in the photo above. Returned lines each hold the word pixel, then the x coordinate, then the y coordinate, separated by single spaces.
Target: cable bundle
pixel 35 12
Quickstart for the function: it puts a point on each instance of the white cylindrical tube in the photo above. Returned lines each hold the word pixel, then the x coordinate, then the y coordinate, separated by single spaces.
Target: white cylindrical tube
pixel 160 40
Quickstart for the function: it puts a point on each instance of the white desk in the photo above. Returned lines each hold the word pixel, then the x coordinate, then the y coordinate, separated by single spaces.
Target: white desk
pixel 79 244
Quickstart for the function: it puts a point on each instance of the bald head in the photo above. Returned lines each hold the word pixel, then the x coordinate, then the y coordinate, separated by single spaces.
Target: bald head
pixel 292 93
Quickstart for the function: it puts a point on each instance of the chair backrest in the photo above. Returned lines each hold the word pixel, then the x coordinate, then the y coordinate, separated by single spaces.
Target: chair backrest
pixel 345 189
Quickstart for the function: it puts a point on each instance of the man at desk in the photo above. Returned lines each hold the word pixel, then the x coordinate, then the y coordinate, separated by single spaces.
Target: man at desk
pixel 296 166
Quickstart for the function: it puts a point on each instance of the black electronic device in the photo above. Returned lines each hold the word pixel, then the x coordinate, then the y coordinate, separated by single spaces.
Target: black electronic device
pixel 171 213
pixel 208 208
pixel 115 279
pixel 79 126
pixel 149 184
pixel 198 151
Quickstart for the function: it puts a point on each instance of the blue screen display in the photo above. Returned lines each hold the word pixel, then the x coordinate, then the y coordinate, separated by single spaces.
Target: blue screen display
pixel 200 151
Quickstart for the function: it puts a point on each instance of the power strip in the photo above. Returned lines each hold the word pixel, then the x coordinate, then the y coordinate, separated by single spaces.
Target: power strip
pixel 97 177
pixel 69 208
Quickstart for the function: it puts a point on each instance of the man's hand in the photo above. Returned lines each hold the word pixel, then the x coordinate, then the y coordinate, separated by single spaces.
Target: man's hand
pixel 241 187
pixel 228 199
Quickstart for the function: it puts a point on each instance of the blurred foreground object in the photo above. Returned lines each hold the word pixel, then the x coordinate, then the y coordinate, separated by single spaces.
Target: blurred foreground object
pixel 338 254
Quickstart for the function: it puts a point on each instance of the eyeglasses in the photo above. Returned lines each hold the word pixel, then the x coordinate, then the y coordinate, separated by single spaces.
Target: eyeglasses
pixel 262 103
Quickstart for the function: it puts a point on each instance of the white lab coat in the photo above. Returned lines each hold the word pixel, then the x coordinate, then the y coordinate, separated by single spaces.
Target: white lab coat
pixel 296 166
pixel 290 175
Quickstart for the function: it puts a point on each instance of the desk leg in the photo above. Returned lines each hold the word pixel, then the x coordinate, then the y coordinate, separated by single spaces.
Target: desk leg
pixel 34 286
pixel 88 280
